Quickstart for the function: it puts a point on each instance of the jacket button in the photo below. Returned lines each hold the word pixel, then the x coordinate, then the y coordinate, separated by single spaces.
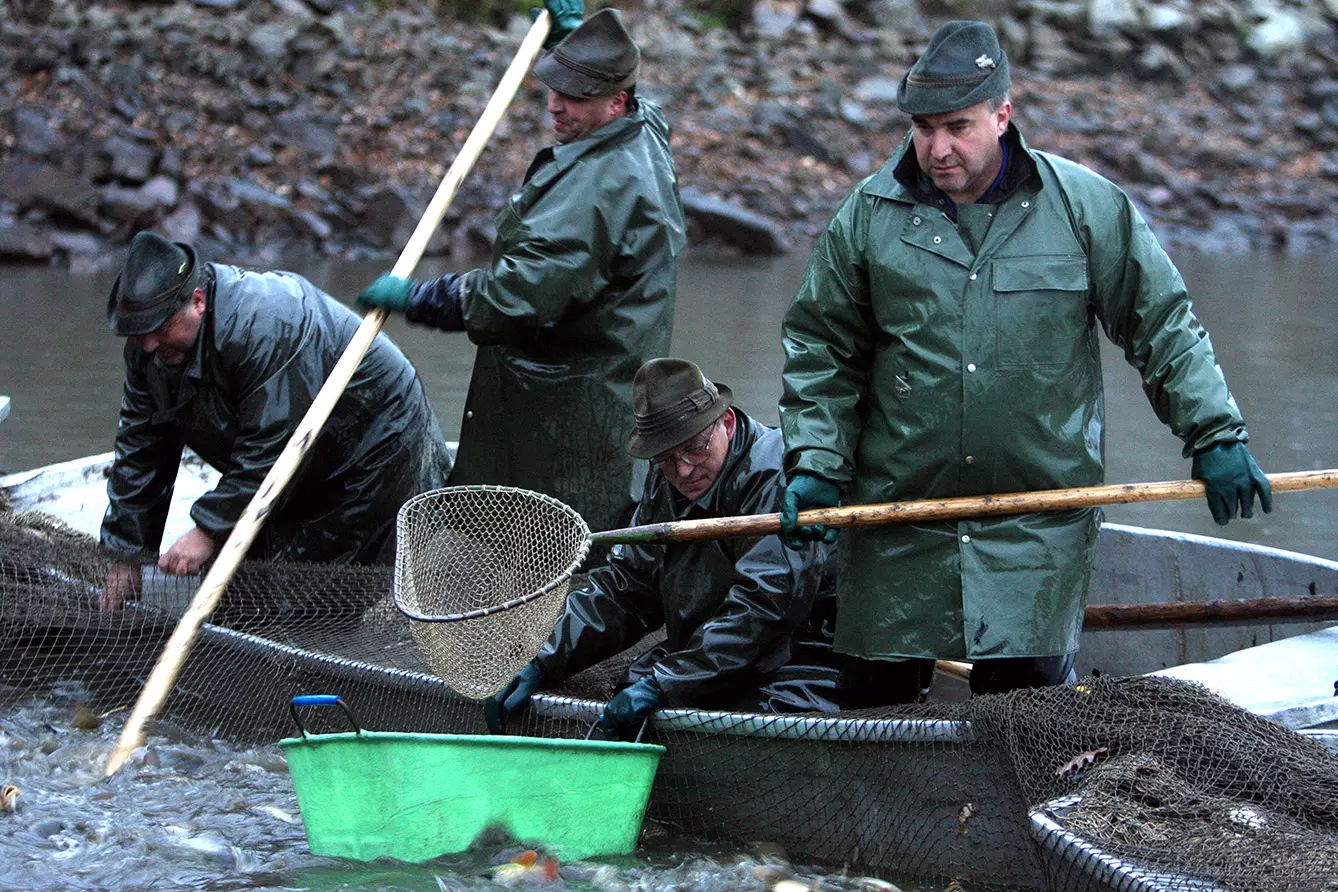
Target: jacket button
pixel 970 366
pixel 1026 204
pixel 966 540
pixel 469 414
pixel 973 277
pixel 970 459
pixel 937 239
pixel 915 220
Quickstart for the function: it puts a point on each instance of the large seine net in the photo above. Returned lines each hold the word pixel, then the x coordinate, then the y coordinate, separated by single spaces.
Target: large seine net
pixel 484 571
pixel 1114 785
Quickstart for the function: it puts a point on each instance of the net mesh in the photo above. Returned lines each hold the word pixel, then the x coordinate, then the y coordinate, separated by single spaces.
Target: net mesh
pixel 1131 785
pixel 483 571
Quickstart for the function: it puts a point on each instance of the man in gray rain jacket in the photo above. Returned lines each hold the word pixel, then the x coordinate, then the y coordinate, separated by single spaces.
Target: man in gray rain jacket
pixel 227 361
pixel 747 621
pixel 944 342
pixel 580 291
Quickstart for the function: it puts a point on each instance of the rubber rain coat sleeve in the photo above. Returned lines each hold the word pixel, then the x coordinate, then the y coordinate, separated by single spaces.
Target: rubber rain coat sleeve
pixel 733 610
pixel 927 358
pixel 148 459
pixel 579 294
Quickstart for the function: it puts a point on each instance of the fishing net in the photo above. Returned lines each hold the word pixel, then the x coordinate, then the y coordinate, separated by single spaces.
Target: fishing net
pixel 484 571
pixel 1131 785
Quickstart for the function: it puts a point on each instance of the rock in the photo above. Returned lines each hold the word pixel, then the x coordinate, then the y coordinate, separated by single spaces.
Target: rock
pixel 83 243
pixel 49 188
pixel 183 224
pixel 34 134
pixel 162 191
pixel 126 205
pixel 24 243
pixel 390 215
pixel 270 41
pixel 773 19
pixel 301 130
pixel 1112 15
pixel 1237 78
pixel 749 232
pixel 875 90
pixel 1281 33
pixel 130 161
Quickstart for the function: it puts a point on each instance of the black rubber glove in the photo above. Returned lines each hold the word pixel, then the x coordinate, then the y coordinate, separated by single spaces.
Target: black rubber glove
pixel 630 707
pixel 807 491
pixel 1232 479
pixel 516 694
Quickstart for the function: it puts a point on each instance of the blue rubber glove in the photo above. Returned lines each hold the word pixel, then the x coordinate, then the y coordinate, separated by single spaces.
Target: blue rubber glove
pixel 388 292
pixel 630 707
pixel 516 694
pixel 1232 479
pixel 567 16
pixel 807 491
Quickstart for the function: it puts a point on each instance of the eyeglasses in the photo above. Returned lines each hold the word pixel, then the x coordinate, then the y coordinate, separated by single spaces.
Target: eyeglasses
pixel 694 453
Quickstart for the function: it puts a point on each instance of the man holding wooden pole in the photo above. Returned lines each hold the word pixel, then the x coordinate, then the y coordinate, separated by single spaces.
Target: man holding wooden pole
pixel 944 343
pixel 580 291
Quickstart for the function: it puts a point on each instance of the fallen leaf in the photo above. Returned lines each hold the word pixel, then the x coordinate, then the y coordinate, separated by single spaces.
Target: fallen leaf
pixel 1080 760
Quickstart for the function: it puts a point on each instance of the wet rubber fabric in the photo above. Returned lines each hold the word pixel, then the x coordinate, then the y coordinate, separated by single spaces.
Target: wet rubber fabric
pixel 267 343
pixel 580 293
pixel 747 621
pixel 926 359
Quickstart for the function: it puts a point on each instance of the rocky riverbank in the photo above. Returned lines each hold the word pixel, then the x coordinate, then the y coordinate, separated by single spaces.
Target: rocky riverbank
pixel 255 126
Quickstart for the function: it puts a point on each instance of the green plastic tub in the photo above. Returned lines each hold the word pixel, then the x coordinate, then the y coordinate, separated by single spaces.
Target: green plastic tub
pixel 412 797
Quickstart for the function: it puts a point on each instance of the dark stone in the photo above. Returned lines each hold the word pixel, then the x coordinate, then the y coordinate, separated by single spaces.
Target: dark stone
pixel 24 243
pixel 65 195
pixel 131 161
pixel 303 131
pixel 749 232
pixel 390 215
pixel 34 134
pixel 804 142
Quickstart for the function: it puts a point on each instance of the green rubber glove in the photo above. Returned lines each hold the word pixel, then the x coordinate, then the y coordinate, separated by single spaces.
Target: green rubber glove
pixel 630 707
pixel 807 491
pixel 516 694
pixel 1232 479
pixel 567 16
pixel 388 292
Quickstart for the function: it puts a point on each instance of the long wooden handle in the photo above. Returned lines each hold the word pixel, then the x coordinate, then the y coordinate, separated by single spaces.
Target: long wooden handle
pixel 950 509
pixel 174 654
pixel 1218 612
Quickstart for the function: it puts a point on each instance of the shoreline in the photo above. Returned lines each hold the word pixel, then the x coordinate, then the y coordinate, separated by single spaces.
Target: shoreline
pixel 258 128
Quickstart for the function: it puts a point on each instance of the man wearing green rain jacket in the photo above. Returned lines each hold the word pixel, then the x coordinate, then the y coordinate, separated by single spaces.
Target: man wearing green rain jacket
pixel 944 342
pixel 580 291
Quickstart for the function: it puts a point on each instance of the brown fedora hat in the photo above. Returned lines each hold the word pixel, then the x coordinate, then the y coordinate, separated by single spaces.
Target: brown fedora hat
pixel 673 402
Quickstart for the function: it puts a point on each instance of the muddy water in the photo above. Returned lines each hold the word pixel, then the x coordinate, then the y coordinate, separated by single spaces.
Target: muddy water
pixel 199 813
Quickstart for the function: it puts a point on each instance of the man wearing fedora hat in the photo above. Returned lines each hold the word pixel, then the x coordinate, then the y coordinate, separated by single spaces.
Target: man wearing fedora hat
pixel 944 342
pixel 226 361
pixel 747 623
pixel 580 291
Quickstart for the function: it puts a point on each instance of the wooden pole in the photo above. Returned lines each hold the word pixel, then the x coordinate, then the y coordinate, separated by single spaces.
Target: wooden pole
pixel 927 510
pixel 174 654
pixel 1225 612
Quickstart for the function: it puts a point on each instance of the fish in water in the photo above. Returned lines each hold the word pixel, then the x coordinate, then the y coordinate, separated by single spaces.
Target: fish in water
pixel 9 799
pixel 527 867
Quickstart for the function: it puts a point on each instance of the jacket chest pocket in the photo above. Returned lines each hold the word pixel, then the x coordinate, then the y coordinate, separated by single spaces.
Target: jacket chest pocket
pixel 1042 305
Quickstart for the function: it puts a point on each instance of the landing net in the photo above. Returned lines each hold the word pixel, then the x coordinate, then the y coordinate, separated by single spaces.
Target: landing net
pixel 1132 785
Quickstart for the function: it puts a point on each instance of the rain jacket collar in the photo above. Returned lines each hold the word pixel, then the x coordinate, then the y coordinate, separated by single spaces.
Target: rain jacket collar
pixel 900 179
pixel 617 130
